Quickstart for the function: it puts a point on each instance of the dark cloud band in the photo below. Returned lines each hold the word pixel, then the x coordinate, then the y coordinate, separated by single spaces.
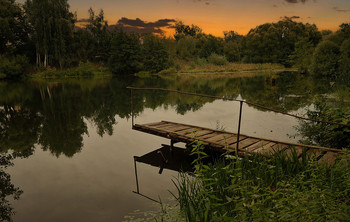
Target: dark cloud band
pixel 139 26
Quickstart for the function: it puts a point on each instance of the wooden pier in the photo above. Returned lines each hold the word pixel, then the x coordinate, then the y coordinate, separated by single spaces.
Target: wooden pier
pixel 222 141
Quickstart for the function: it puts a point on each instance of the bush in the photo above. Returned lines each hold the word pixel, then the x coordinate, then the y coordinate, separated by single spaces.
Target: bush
pixel 186 47
pixel 125 54
pixel 324 134
pixel 261 189
pixel 232 51
pixel 14 67
pixel 325 59
pixel 217 59
pixel 344 62
pixel 155 55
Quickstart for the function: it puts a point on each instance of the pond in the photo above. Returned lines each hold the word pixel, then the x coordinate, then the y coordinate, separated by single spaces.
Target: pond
pixel 73 144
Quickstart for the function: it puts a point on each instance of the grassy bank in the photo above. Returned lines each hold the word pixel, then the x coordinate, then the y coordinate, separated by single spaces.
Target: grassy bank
pixel 197 66
pixel 279 189
pixel 84 69
pixel 203 66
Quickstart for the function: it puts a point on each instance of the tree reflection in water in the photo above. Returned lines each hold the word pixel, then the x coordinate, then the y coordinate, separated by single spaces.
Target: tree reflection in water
pixel 54 114
pixel 7 189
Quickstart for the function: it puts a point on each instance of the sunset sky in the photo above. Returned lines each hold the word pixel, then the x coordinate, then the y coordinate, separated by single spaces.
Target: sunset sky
pixel 216 16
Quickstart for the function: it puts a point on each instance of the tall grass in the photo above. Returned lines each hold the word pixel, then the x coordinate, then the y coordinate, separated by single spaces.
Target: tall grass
pixel 281 188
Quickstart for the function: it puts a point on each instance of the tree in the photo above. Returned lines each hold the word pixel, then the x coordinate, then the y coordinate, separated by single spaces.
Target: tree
pixel 325 59
pixel 125 53
pixel 182 30
pixel 101 37
pixel 186 47
pixel 211 44
pixel 232 51
pixel 13 28
pixel 52 25
pixel 155 56
pixel 275 42
pixel 302 55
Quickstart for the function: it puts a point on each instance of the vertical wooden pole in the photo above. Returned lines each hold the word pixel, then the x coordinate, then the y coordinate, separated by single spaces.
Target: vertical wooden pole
pixel 239 125
pixel 137 180
pixel 132 107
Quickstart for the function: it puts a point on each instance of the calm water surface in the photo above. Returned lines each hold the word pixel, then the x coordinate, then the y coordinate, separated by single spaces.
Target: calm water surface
pixel 73 145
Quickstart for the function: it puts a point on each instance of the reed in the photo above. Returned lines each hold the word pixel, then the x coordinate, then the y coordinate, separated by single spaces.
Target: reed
pixel 286 188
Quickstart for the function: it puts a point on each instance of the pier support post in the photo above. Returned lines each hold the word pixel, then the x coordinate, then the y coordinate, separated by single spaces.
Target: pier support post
pixel 137 180
pixel 239 126
pixel 132 106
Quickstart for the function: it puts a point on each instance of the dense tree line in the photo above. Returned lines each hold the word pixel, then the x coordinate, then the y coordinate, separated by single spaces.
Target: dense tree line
pixel 43 33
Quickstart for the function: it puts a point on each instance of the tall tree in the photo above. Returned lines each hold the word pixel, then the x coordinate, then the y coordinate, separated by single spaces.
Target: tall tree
pixel 52 24
pixel 275 42
pixel 98 28
pixel 13 29
pixel 125 53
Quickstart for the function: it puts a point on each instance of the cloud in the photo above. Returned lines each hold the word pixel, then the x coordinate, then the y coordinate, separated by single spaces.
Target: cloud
pixel 207 2
pixel 83 20
pixel 341 10
pixel 139 26
pixel 290 17
pixel 296 1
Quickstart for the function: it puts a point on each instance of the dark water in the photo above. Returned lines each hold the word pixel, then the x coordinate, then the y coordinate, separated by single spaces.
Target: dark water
pixel 72 144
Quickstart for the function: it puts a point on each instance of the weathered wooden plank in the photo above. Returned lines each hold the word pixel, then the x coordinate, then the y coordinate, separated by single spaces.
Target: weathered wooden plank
pixel 198 133
pixel 218 140
pixel 243 143
pixel 314 153
pixel 329 158
pixel 219 137
pixel 173 128
pixel 207 136
pixel 266 149
pixel 280 146
pixel 289 151
pixel 153 124
pixel 231 139
pixel 255 146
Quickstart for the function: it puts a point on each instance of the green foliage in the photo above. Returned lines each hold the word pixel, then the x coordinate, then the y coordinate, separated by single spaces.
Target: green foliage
pixel 217 59
pixel 260 189
pixel 125 53
pixel 232 51
pixel 344 62
pixel 210 45
pixel 186 47
pixel 182 30
pixel 325 59
pixel 13 27
pixel 14 67
pixel 155 55
pixel 275 42
pixel 7 189
pixel 302 55
pixel 324 134
pixel 52 24
pixel 100 36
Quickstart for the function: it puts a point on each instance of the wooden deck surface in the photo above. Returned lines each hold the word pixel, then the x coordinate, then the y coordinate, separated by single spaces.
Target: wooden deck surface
pixel 220 141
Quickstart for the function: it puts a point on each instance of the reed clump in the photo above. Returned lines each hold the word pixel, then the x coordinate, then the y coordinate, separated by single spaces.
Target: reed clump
pixel 279 188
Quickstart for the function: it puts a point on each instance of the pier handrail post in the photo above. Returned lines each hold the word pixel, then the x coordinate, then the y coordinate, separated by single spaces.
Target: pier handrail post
pixel 132 106
pixel 239 125
pixel 137 180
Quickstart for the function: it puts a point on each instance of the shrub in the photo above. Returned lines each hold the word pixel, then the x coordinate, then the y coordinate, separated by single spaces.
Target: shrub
pixel 325 59
pixel 261 189
pixel 125 53
pixel 14 67
pixel 323 134
pixel 217 59
pixel 155 55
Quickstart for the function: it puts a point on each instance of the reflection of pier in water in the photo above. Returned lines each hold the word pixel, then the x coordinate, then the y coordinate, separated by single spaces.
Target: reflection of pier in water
pixel 221 141
pixel 175 159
